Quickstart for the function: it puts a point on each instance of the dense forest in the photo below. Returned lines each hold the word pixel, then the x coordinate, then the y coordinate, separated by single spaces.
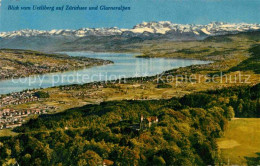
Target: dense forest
pixel 181 131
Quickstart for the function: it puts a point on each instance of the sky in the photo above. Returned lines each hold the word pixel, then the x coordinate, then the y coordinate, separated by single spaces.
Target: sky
pixel 177 11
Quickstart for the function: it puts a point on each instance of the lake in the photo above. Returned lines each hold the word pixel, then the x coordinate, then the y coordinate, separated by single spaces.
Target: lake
pixel 125 65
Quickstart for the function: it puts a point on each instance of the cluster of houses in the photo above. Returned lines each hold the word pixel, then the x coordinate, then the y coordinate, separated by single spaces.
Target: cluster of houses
pixel 18 98
pixel 93 86
pixel 93 94
pixel 145 123
pixel 10 118
pixel 20 70
pixel 148 121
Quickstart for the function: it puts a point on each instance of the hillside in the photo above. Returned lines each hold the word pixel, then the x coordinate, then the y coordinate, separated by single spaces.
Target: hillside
pixel 183 131
pixel 16 63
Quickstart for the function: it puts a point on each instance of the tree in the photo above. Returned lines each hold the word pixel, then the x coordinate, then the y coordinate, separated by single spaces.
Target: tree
pixel 170 154
pixel 127 156
pixel 26 159
pixel 89 158
pixel 230 113
pixel 240 109
pixel 41 94
pixel 158 161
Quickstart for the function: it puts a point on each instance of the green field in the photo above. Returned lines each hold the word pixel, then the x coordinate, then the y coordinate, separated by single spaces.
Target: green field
pixel 7 132
pixel 241 143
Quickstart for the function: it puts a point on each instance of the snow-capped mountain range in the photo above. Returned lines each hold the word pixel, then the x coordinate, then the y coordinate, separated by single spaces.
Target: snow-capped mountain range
pixel 146 28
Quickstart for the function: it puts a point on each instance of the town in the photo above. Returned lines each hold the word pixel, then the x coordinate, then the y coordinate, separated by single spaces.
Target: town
pixel 22 63
pixel 18 98
pixel 10 117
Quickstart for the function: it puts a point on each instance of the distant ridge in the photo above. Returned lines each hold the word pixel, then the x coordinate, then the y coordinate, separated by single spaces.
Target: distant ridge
pixel 146 28
pixel 112 39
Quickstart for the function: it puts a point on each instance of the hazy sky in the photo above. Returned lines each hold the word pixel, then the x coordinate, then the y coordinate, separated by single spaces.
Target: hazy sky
pixel 177 11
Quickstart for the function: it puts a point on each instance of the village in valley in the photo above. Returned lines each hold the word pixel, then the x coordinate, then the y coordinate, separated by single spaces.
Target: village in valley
pixel 11 117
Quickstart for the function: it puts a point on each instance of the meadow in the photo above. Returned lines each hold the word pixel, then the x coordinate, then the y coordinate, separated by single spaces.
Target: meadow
pixel 240 144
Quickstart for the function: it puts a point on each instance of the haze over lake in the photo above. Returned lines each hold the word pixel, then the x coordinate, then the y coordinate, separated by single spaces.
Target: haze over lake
pixel 125 65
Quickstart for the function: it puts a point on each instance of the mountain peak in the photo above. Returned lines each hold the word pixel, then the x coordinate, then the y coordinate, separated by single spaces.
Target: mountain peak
pixel 154 27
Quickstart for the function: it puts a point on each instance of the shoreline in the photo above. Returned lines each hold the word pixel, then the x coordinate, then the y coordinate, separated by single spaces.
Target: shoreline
pixel 76 69
pixel 108 81
pixel 56 56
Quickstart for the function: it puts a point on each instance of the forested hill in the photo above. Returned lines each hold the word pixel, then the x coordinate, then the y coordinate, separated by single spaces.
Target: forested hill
pixel 185 133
